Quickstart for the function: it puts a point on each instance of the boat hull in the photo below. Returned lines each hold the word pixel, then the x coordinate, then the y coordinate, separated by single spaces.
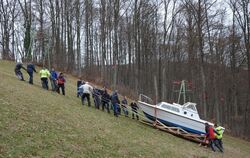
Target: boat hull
pixel 173 119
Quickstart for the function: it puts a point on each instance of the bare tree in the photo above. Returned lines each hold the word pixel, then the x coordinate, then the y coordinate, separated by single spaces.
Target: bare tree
pixel 8 16
pixel 27 14
pixel 241 12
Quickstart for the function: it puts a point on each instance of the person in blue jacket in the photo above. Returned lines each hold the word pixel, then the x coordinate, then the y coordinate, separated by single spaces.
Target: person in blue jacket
pixel 53 79
pixel 30 70
pixel 115 102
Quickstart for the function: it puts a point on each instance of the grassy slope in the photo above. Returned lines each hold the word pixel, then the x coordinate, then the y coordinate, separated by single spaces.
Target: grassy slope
pixel 39 123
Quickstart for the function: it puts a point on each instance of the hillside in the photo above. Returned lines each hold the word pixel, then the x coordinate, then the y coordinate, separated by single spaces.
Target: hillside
pixel 39 123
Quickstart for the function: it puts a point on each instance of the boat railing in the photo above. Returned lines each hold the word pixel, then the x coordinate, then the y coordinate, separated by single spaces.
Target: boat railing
pixel 146 99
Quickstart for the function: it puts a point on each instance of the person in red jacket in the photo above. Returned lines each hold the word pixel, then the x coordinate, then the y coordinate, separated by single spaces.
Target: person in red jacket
pixel 60 83
pixel 211 137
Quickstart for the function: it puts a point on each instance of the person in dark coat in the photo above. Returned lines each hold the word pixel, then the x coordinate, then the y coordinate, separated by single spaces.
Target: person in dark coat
pixel 78 84
pixel 134 110
pixel 53 79
pixel 80 89
pixel 60 83
pixel 18 71
pixel 124 106
pixel 115 102
pixel 96 95
pixel 105 99
pixel 30 70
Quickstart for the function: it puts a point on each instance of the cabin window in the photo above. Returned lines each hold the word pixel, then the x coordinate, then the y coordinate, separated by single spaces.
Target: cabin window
pixel 170 108
pixel 192 107
pixel 191 115
pixel 185 112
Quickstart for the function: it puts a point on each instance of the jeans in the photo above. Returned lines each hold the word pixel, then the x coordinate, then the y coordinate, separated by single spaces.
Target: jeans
pixel 31 77
pixel 53 85
pixel 115 107
pixel 125 110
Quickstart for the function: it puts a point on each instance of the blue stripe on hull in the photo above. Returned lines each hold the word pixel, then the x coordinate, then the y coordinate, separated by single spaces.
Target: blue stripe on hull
pixel 173 124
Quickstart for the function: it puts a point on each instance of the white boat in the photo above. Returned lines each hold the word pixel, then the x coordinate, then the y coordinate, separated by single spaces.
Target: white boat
pixel 175 115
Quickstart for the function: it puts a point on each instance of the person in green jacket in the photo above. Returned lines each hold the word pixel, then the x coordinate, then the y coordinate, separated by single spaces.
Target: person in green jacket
pixel 219 135
pixel 44 75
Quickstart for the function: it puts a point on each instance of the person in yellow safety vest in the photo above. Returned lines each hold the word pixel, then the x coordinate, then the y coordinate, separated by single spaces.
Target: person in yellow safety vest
pixel 218 135
pixel 44 75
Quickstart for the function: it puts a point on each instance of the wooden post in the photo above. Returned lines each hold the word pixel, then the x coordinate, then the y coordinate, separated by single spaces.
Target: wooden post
pixel 156 90
pixel 156 97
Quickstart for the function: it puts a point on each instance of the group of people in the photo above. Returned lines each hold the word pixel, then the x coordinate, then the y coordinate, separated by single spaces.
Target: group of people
pixel 102 99
pixel 57 81
pixel 214 136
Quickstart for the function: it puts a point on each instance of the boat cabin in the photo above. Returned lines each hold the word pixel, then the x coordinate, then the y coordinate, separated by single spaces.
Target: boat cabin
pixel 188 109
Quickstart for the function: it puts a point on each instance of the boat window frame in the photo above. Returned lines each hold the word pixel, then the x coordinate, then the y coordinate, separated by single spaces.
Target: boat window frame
pixel 193 109
pixel 171 108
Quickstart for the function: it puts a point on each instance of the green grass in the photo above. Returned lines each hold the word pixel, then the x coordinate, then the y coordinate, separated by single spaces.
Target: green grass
pixel 39 123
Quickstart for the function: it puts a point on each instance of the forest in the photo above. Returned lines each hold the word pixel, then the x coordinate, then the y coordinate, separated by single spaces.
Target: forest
pixel 142 46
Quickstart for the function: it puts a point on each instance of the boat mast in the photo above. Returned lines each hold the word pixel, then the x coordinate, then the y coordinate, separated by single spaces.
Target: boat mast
pixel 183 91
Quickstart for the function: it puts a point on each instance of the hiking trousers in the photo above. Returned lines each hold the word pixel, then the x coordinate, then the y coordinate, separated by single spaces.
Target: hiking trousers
pixel 45 83
pixel 86 95
pixel 61 86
